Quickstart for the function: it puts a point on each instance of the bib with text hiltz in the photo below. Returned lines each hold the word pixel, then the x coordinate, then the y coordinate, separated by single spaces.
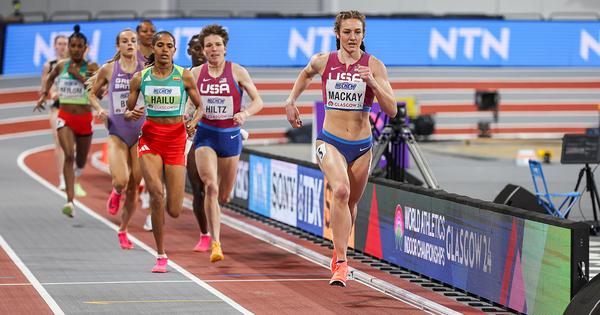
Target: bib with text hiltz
pixel 162 98
pixel 217 107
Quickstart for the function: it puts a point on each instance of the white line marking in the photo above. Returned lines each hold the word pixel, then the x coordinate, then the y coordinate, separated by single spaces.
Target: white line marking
pixel 29 118
pixel 14 284
pixel 36 284
pixel 28 171
pixel 30 104
pixel 118 282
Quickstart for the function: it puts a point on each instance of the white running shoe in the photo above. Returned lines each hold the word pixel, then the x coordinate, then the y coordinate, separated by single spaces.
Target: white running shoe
pixel 148 224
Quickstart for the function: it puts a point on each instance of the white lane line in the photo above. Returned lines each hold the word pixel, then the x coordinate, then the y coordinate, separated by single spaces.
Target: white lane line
pixel 34 281
pixel 24 119
pixel 181 270
pixel 118 282
pixel 171 281
pixel 30 104
pixel 14 284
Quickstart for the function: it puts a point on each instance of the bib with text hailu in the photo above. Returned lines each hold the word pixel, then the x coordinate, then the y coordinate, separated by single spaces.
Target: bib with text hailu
pixel 162 98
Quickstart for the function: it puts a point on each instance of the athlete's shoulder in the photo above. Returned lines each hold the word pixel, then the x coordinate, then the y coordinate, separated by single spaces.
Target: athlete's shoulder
pixel 319 61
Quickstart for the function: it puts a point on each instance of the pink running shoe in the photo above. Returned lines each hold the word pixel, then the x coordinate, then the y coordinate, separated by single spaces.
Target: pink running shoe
pixel 114 201
pixel 333 263
pixel 203 244
pixel 124 241
pixel 161 265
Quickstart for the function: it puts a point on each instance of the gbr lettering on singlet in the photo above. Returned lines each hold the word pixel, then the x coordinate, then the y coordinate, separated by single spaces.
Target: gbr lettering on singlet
pixel 216 106
pixel 345 91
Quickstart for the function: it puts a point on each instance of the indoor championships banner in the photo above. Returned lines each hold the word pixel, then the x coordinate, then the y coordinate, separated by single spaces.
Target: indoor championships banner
pixel 523 264
pixel 291 42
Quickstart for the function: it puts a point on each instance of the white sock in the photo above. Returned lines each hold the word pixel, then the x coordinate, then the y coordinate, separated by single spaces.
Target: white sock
pixel 162 256
pixel 78 171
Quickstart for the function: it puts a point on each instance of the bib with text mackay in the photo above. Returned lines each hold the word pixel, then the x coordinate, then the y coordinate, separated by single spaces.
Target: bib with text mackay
pixel 221 97
pixel 342 87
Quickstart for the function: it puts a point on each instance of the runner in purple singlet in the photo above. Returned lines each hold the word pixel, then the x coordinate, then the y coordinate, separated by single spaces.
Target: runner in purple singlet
pixel 123 135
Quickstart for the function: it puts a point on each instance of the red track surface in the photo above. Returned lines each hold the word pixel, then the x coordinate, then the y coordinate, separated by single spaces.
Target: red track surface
pixel 17 295
pixel 262 278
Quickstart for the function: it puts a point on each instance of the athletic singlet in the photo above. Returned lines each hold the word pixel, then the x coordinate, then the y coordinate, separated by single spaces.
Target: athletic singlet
pixel 70 90
pixel 141 58
pixel 118 88
pixel 344 89
pixel 164 97
pixel 221 97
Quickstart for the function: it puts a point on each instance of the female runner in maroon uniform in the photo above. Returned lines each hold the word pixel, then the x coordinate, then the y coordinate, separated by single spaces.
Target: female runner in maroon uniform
pixel 350 79
pixel 218 141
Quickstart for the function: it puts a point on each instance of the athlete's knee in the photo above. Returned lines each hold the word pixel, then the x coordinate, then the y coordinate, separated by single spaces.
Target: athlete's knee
pixel 211 189
pixel 174 209
pixel 156 198
pixel 69 157
pixel 224 198
pixel 341 192
pixel 120 183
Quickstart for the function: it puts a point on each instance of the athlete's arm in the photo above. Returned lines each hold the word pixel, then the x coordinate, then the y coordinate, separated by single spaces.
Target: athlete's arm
pixel 192 91
pixel 100 81
pixel 48 84
pixel 190 108
pixel 132 112
pixel 315 65
pixel 243 78
pixel 45 72
pixel 375 75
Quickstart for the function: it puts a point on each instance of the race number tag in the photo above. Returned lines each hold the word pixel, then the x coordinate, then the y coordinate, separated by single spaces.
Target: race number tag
pixel 162 98
pixel 119 100
pixel 70 89
pixel 218 107
pixel 59 123
pixel 345 95
pixel 321 151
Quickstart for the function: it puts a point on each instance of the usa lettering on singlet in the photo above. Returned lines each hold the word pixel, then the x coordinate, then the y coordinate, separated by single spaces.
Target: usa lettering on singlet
pixel 216 107
pixel 221 97
pixel 342 86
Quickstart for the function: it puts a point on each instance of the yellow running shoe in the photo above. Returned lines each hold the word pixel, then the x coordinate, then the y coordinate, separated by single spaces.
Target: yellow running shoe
pixel 79 192
pixel 217 252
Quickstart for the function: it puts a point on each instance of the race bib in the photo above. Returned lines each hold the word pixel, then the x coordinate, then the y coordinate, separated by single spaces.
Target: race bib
pixel 218 107
pixel 345 95
pixel 162 98
pixel 119 101
pixel 70 89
